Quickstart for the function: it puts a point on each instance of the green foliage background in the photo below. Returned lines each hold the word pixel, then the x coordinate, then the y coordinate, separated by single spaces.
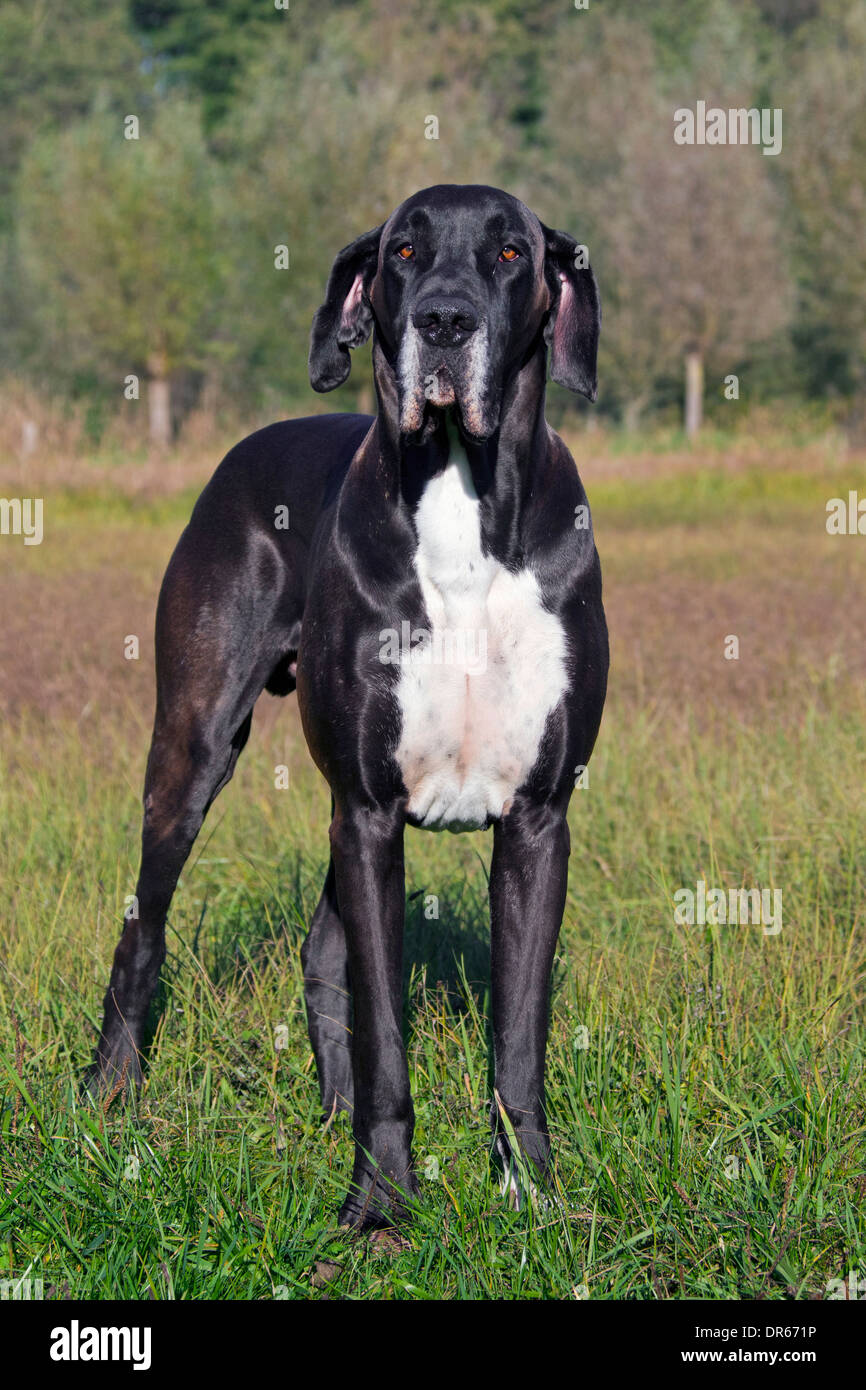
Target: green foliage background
pixel 304 126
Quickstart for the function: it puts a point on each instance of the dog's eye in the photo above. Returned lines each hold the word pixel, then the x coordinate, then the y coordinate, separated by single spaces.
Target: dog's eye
pixel 406 252
pixel 508 253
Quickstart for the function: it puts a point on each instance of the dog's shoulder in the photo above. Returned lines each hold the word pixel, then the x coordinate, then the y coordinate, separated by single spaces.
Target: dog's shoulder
pixel 293 465
pixel 309 441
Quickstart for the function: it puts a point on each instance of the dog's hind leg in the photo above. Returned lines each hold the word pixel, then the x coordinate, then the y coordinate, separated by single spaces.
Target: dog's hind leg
pixel 215 652
pixel 183 777
pixel 328 999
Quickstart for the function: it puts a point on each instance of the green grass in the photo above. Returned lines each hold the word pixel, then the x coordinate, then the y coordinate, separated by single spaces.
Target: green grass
pixel 705 1084
pixel 709 1136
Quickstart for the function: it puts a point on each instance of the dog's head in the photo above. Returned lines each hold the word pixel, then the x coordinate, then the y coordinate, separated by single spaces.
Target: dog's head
pixel 462 284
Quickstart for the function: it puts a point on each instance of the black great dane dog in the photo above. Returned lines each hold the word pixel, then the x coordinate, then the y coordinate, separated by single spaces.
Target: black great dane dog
pixel 436 599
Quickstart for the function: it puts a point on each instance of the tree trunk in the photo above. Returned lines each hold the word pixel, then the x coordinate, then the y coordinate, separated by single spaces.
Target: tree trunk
pixel 694 391
pixel 633 412
pixel 159 401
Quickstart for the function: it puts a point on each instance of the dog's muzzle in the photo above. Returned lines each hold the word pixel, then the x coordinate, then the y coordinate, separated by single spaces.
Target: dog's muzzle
pixel 444 361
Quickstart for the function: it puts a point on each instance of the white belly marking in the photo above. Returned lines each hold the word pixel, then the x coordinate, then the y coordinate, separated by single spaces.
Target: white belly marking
pixel 475 697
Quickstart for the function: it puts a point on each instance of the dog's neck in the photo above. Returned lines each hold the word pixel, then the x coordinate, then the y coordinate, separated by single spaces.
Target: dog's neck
pixel 501 466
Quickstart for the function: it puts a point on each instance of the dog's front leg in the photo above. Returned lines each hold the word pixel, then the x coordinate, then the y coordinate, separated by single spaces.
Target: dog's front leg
pixel 528 877
pixel 367 848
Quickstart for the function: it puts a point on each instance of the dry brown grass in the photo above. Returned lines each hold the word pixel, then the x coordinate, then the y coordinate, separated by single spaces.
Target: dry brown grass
pixel 674 588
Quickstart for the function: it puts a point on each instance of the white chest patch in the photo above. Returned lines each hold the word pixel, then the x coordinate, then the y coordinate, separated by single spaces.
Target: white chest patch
pixel 476 688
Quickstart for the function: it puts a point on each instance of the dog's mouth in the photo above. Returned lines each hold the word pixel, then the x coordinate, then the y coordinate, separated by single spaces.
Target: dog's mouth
pixel 441 402
pixel 439 388
pixel 430 384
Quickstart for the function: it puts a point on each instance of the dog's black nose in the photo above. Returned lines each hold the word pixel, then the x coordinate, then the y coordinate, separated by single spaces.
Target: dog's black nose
pixel 445 322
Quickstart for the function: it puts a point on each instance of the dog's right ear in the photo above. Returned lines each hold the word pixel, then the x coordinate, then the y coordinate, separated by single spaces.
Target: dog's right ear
pixel 345 319
pixel 574 322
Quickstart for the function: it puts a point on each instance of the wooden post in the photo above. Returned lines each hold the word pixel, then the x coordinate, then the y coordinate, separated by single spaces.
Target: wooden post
pixel 694 391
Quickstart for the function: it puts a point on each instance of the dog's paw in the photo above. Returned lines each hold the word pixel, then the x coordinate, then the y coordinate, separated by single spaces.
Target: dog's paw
pixel 107 1078
pixel 520 1184
pixel 376 1202
pixel 520 1194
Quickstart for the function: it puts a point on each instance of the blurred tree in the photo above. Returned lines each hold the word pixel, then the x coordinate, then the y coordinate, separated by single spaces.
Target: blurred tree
pixel 206 47
pixel 686 239
pixel 161 256
pixel 788 15
pixel 120 244
pixel 828 184
pixel 56 66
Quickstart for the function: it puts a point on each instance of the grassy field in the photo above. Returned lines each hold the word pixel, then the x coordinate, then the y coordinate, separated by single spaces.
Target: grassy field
pixel 705 1082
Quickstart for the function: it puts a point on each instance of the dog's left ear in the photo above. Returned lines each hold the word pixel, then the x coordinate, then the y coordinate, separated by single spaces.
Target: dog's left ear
pixel 345 319
pixel 574 321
